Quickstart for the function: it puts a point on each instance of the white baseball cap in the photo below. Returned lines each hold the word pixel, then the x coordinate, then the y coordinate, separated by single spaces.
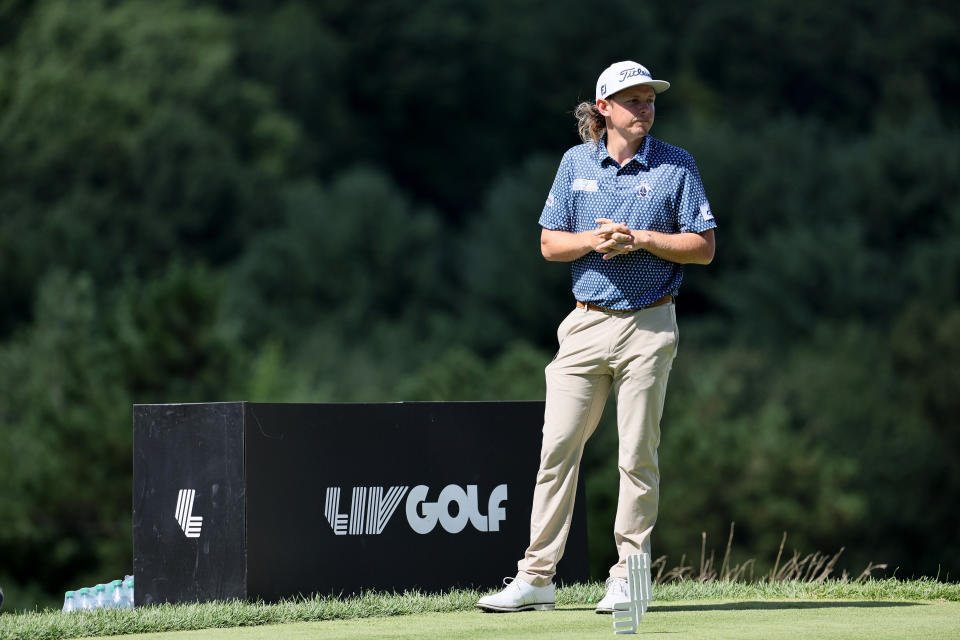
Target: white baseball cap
pixel 628 73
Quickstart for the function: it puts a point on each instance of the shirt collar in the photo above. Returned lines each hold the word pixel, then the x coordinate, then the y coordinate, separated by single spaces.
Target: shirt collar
pixel 640 156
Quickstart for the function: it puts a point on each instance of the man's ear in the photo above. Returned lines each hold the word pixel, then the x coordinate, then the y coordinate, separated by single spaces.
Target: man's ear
pixel 603 106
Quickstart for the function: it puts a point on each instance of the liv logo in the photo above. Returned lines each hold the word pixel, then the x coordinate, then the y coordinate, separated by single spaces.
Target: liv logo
pixel 372 507
pixel 190 523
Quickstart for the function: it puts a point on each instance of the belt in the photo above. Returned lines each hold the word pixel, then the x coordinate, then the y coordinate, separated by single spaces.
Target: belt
pixel 592 307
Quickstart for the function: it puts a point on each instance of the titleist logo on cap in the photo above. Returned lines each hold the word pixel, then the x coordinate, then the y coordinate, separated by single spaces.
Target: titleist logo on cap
pixel 629 73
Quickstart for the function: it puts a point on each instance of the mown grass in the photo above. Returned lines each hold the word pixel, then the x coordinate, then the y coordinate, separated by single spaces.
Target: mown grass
pixel 53 625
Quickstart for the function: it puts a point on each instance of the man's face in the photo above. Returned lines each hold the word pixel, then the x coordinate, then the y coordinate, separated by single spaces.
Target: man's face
pixel 631 111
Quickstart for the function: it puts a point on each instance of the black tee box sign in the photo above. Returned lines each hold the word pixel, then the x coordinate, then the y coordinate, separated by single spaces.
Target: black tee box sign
pixel 241 500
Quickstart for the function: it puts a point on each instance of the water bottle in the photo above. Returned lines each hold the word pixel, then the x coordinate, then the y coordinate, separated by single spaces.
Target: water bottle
pixel 69 602
pixel 116 595
pixel 128 592
pixel 84 602
pixel 100 599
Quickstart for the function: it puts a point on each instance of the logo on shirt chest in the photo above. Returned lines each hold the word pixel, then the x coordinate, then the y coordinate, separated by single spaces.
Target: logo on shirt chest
pixel 643 189
pixel 581 184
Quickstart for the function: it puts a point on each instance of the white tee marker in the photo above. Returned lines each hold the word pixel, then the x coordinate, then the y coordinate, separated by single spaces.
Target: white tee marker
pixel 628 614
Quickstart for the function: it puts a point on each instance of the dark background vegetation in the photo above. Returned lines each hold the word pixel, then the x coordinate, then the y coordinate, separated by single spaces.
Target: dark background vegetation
pixel 337 201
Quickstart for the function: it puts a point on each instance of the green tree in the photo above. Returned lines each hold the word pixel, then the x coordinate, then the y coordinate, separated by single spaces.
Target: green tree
pixel 852 64
pixel 69 381
pixel 510 291
pixel 352 255
pixel 171 339
pixel 129 138
pixel 305 61
pixel 67 442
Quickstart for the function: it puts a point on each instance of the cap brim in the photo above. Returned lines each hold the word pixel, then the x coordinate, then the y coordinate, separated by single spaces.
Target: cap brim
pixel 658 86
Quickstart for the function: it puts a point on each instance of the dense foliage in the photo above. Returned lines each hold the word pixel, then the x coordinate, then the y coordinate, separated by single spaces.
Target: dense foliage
pixel 333 201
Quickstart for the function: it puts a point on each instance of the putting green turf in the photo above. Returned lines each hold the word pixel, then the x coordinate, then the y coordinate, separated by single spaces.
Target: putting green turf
pixel 707 620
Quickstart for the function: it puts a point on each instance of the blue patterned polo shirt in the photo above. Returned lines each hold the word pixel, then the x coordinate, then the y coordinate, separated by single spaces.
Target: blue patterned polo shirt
pixel 659 189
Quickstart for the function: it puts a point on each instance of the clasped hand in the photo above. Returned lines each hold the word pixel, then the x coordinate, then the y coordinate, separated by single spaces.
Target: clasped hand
pixel 613 238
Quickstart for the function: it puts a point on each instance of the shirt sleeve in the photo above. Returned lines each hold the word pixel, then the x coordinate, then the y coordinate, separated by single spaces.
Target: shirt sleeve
pixel 693 210
pixel 557 211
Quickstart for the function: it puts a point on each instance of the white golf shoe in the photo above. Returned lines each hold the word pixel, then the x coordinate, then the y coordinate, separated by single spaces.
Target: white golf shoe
pixel 618 590
pixel 519 596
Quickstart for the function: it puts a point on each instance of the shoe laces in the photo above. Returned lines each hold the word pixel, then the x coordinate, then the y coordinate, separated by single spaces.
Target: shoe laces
pixel 619 585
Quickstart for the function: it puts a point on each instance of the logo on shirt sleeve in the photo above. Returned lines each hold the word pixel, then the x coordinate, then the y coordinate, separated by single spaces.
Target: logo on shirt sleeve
pixel 584 185
pixel 705 211
pixel 550 200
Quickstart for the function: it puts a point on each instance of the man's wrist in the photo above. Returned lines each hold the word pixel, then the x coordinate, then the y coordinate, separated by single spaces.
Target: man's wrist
pixel 590 241
pixel 640 238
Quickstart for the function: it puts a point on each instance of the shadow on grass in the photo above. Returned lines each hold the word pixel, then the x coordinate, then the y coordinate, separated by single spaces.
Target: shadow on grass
pixel 761 605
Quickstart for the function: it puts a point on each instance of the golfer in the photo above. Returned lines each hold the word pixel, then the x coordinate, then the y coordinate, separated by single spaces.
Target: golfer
pixel 627 211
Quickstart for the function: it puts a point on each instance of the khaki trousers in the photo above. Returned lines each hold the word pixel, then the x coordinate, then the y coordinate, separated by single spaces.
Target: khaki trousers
pixel 632 353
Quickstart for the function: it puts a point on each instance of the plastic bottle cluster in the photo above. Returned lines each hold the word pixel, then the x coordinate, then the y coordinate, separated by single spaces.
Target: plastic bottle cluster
pixel 113 595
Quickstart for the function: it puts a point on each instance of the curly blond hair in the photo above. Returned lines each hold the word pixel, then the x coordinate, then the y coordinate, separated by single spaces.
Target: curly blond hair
pixel 590 123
